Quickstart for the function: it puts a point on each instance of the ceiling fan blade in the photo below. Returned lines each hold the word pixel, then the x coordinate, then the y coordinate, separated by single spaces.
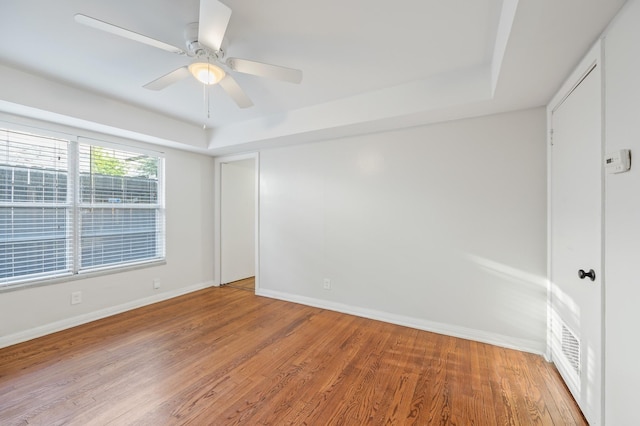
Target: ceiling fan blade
pixel 235 91
pixel 265 70
pixel 122 32
pixel 214 18
pixel 168 79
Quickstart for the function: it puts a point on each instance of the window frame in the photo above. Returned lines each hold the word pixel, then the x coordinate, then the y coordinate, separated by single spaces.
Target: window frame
pixel 74 271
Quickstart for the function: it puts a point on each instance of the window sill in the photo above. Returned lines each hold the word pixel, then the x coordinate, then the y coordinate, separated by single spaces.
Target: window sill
pixel 41 282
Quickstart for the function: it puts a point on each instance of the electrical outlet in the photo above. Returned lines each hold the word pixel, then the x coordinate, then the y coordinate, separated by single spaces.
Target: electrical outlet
pixel 76 297
pixel 326 284
pixel 156 283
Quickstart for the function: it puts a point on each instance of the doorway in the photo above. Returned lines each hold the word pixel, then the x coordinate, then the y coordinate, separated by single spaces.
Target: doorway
pixel 236 223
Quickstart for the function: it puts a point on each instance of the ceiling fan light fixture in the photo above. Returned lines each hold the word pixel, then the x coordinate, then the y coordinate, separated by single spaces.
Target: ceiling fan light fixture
pixel 206 73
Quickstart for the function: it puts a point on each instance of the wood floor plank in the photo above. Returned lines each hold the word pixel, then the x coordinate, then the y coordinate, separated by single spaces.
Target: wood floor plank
pixel 224 356
pixel 313 360
pixel 406 362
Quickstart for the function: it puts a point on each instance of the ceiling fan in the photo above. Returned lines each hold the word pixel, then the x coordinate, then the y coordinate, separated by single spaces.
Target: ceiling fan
pixel 204 45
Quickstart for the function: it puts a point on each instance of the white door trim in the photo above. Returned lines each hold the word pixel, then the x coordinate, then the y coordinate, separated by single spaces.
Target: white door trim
pixel 217 224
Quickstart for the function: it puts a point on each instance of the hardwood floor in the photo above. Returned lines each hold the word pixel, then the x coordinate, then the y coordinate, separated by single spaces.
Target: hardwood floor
pixel 245 284
pixel 225 356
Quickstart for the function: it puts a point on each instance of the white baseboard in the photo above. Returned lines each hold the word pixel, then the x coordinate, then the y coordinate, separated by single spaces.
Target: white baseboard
pixel 54 327
pixel 524 345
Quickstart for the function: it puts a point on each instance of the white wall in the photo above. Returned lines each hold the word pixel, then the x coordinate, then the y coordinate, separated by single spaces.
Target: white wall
pixel 28 313
pixel 622 220
pixel 39 97
pixel 238 186
pixel 439 227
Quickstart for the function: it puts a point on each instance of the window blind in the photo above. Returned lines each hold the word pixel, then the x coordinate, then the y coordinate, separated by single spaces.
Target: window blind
pixel 121 215
pixel 68 207
pixel 35 207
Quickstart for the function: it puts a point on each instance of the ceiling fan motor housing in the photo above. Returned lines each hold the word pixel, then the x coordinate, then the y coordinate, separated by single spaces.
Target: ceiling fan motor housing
pixel 194 48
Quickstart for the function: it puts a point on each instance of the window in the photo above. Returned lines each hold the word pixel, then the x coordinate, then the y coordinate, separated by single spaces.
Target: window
pixel 119 210
pixel 70 206
pixel 34 206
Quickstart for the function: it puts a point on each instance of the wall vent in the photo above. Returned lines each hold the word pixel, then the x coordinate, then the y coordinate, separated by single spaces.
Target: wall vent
pixel 571 349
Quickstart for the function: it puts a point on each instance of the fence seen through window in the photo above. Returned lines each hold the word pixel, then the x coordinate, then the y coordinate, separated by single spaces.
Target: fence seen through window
pixel 54 221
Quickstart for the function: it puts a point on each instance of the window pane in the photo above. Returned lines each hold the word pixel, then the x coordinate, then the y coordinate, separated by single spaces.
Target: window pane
pixel 24 184
pixel 33 151
pixel 118 235
pixel 23 259
pixel 29 223
pixel 33 169
pixel 114 176
pixel 32 241
pixel 34 216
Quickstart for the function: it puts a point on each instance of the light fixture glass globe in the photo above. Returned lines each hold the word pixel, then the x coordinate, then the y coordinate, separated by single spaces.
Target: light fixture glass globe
pixel 206 73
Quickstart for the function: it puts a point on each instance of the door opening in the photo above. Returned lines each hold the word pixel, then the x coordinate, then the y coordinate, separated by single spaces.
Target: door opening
pixel 236 222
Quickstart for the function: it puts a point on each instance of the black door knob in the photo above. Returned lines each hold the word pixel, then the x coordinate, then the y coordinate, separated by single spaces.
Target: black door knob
pixel 591 274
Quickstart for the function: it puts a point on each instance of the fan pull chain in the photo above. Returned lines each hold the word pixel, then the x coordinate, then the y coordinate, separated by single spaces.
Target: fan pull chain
pixel 206 97
pixel 204 102
pixel 207 104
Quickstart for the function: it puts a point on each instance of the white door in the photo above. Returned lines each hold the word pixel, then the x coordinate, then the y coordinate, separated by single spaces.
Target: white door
pixel 237 220
pixel 576 243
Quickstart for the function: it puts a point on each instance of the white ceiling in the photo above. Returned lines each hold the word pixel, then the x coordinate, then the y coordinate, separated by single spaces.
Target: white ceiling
pixel 368 65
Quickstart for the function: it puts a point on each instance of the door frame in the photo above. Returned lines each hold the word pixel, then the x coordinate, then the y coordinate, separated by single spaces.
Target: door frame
pixel 217 223
pixel 592 59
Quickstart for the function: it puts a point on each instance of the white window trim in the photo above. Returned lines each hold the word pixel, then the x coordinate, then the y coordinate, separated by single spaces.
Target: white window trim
pixel 75 273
